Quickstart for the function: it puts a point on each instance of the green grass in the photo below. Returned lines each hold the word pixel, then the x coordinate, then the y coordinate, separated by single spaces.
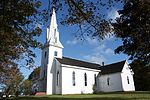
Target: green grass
pixel 101 96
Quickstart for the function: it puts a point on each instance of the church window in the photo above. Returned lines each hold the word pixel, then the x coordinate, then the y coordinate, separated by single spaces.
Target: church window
pixel 57 81
pixel 73 79
pixel 85 79
pixel 95 79
pixel 55 53
pixel 45 54
pixel 55 39
pixel 128 80
pixel 108 81
pixel 55 36
pixel 54 32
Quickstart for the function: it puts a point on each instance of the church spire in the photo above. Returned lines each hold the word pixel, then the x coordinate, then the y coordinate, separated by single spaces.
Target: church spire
pixel 52 36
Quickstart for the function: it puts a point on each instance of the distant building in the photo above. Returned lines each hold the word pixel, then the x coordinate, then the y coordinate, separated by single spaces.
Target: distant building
pixel 62 75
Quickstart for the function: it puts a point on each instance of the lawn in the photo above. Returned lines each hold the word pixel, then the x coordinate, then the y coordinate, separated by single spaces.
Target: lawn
pixel 100 96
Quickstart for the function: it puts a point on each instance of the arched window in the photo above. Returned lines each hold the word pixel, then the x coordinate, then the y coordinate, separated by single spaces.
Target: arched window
pixel 128 80
pixel 55 39
pixel 55 53
pixel 57 81
pixel 54 32
pixel 95 79
pixel 108 81
pixel 55 36
pixel 85 79
pixel 45 54
pixel 73 79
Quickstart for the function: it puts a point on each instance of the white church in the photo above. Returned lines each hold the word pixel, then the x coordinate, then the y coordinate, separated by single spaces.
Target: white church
pixel 63 75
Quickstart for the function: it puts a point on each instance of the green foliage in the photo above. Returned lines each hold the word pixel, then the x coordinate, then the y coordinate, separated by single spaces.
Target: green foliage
pixel 27 87
pixel 20 21
pixel 12 80
pixel 35 75
pixel 141 75
pixel 133 27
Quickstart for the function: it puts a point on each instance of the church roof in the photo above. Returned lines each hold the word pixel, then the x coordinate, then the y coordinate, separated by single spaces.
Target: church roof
pixel 112 68
pixel 79 63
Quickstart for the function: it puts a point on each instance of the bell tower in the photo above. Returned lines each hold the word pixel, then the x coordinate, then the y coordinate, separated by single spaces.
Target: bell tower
pixel 52 49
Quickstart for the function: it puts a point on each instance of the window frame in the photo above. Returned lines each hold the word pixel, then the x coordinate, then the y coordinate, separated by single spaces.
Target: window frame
pixel 57 78
pixel 108 81
pixel 128 81
pixel 45 54
pixel 55 53
pixel 95 79
pixel 73 79
pixel 85 79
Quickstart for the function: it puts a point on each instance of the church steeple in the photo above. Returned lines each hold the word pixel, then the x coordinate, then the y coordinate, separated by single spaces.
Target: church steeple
pixel 52 36
pixel 52 49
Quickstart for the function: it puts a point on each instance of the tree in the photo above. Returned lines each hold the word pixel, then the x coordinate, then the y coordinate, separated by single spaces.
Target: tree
pixel 12 80
pixel 141 75
pixel 20 20
pixel 27 87
pixel 34 77
pixel 133 27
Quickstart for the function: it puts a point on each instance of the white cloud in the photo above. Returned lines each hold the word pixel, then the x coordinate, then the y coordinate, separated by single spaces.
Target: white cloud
pixel 113 14
pixel 109 51
pixel 102 49
pixel 92 41
pixel 99 53
pixel 72 42
pixel 88 40
pixel 95 58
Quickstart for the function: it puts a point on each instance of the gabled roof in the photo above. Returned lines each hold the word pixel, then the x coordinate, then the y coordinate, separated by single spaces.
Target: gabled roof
pixel 112 68
pixel 79 63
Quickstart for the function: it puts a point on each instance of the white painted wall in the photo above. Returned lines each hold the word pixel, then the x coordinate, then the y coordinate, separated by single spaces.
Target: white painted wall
pixel 115 83
pixel 127 72
pixel 56 88
pixel 67 86
pixel 48 70
pixel 118 81
pixel 51 69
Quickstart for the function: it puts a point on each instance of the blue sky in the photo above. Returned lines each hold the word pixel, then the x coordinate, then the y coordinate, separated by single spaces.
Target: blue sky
pixel 91 50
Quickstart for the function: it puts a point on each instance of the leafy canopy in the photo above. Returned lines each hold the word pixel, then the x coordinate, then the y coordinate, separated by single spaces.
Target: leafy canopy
pixel 20 20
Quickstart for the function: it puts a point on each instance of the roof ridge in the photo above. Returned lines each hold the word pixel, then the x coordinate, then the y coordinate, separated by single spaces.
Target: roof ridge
pixel 115 63
pixel 81 60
